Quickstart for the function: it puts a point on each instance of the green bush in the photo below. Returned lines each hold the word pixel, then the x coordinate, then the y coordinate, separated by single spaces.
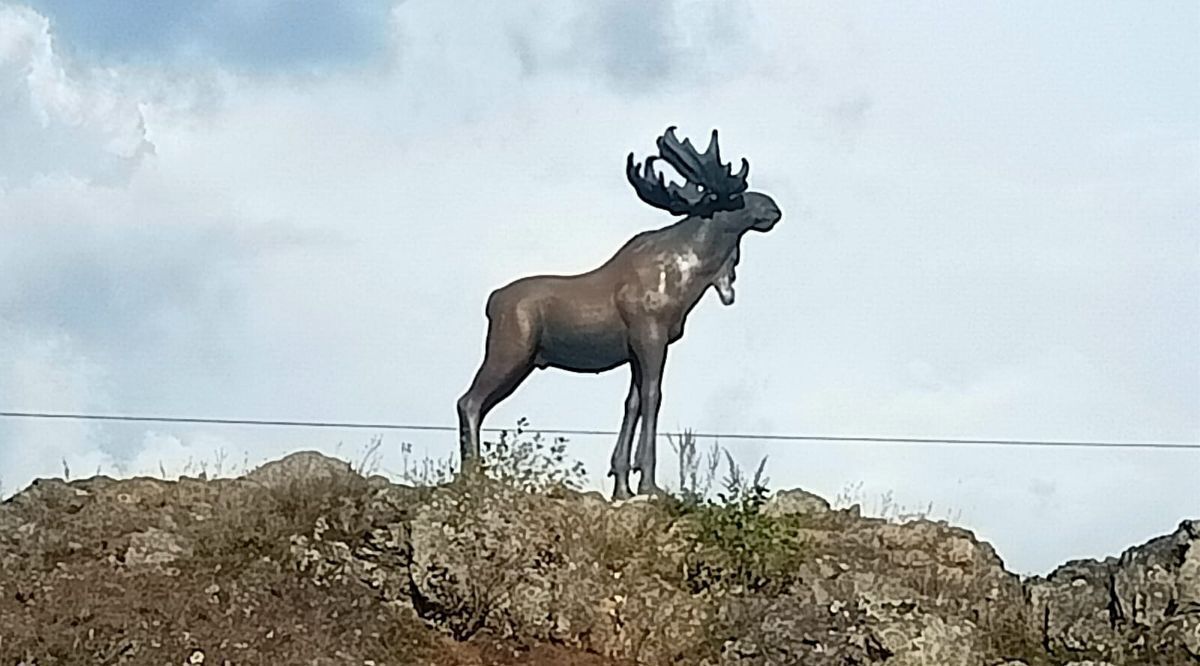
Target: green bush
pixel 531 463
pixel 515 458
pixel 735 547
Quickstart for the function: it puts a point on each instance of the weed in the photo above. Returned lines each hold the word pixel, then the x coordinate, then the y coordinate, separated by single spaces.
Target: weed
pixel 696 472
pixel 426 472
pixel 886 506
pixel 368 462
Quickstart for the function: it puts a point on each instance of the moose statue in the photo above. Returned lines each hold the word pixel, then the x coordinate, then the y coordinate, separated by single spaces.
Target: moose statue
pixel 628 310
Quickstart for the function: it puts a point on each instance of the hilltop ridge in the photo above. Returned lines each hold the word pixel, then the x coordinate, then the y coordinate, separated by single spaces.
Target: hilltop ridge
pixel 305 561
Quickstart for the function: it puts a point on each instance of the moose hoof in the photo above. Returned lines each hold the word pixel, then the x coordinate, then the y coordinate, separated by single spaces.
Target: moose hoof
pixel 470 471
pixel 621 492
pixel 651 490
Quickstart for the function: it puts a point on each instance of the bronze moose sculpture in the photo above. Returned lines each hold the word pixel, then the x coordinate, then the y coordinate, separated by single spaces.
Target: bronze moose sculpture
pixel 628 310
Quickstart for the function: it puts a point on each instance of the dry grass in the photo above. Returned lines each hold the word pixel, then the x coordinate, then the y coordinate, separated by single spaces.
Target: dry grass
pixel 71 594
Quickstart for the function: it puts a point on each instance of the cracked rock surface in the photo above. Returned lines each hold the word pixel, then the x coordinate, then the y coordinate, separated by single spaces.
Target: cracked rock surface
pixel 1145 602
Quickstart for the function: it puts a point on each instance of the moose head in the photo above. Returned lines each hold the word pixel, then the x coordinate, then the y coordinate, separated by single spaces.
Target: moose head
pixel 629 310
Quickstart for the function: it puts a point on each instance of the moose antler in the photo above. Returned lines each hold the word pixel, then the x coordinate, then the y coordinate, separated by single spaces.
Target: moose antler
pixel 709 185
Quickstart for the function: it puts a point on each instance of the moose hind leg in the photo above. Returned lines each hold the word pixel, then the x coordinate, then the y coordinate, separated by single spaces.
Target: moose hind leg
pixel 493 383
pixel 624 447
pixel 507 362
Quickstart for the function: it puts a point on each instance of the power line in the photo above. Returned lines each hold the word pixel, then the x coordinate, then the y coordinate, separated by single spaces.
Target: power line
pixel 610 433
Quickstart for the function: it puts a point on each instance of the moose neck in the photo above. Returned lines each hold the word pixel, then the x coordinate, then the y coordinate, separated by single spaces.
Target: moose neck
pixel 684 258
pixel 710 238
pixel 707 239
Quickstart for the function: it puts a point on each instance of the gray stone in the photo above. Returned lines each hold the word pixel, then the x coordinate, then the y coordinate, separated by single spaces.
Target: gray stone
pixel 797 502
pixel 301 466
pixel 155 547
pixel 1144 603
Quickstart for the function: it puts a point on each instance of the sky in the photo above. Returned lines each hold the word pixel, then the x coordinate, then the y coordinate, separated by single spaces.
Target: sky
pixel 991 229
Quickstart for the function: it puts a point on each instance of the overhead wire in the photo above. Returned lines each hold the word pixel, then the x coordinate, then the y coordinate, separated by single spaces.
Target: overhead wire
pixel 416 427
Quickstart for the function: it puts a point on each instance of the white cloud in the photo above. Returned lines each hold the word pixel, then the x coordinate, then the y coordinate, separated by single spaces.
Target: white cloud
pixel 47 373
pixel 167 455
pixel 54 120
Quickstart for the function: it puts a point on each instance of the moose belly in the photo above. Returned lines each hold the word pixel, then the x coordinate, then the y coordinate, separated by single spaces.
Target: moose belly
pixel 583 348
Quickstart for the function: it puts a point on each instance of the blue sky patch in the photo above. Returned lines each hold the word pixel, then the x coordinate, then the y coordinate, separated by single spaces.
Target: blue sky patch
pixel 250 34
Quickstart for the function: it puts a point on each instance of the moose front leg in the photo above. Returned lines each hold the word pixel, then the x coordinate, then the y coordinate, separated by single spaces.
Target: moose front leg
pixel 650 354
pixel 624 447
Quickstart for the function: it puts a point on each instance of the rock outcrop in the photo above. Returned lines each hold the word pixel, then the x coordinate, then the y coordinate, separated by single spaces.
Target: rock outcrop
pixel 305 561
pixel 1144 604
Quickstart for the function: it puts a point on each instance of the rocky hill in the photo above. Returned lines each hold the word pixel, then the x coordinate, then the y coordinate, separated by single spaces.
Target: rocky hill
pixel 303 561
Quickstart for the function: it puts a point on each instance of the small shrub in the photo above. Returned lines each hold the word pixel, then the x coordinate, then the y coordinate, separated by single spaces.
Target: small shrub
pixel 530 463
pixel 736 548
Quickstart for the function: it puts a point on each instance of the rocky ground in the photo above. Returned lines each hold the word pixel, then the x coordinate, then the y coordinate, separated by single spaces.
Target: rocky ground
pixel 303 561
